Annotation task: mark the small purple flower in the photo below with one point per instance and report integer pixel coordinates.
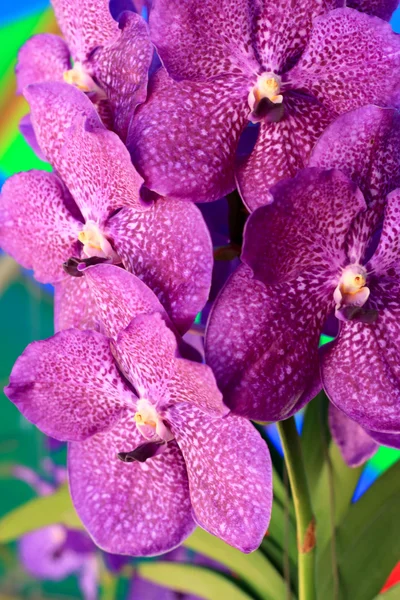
(110, 60)
(306, 255)
(152, 450)
(95, 212)
(287, 69)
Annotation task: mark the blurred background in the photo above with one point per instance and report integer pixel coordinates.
(27, 314)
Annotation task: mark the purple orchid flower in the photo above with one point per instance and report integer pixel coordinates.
(354, 443)
(152, 449)
(96, 213)
(110, 60)
(282, 66)
(311, 248)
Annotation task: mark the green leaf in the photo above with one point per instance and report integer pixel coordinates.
(40, 512)
(315, 438)
(258, 573)
(392, 594)
(190, 579)
(367, 542)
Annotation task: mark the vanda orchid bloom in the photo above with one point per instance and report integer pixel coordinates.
(95, 213)
(153, 451)
(278, 64)
(109, 61)
(312, 259)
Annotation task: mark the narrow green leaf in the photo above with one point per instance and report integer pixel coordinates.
(190, 579)
(392, 594)
(40, 512)
(370, 525)
(254, 569)
(315, 438)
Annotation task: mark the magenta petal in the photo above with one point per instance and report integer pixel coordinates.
(380, 8)
(184, 138)
(97, 169)
(35, 226)
(140, 509)
(365, 145)
(85, 25)
(281, 148)
(26, 128)
(122, 68)
(44, 57)
(330, 67)
(54, 108)
(361, 369)
(387, 255)
(385, 439)
(194, 44)
(230, 479)
(354, 443)
(304, 228)
(169, 248)
(262, 343)
(69, 385)
(147, 354)
(73, 305)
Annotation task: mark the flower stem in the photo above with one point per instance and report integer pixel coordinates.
(305, 521)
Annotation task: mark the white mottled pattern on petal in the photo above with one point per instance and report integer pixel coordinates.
(229, 470)
(73, 305)
(97, 169)
(387, 255)
(354, 443)
(85, 25)
(281, 148)
(148, 356)
(169, 248)
(69, 385)
(36, 227)
(139, 509)
(330, 67)
(183, 140)
(44, 57)
(262, 342)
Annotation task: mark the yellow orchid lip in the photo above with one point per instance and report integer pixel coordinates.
(268, 86)
(95, 243)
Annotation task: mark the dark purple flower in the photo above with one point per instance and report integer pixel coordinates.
(354, 443)
(275, 65)
(110, 60)
(305, 256)
(164, 242)
(152, 451)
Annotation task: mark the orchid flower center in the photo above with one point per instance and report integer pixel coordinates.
(95, 243)
(351, 290)
(150, 423)
(268, 86)
(78, 77)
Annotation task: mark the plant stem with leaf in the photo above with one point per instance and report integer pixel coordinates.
(305, 521)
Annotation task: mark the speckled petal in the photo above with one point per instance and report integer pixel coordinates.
(35, 226)
(386, 439)
(193, 44)
(331, 68)
(42, 554)
(26, 129)
(184, 138)
(73, 305)
(281, 148)
(387, 256)
(148, 356)
(85, 25)
(140, 509)
(380, 8)
(54, 108)
(361, 369)
(262, 343)
(304, 228)
(354, 443)
(229, 470)
(98, 171)
(365, 145)
(122, 69)
(69, 385)
(169, 248)
(44, 57)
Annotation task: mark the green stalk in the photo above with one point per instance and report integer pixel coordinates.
(305, 521)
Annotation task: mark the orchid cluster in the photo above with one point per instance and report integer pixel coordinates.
(288, 109)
